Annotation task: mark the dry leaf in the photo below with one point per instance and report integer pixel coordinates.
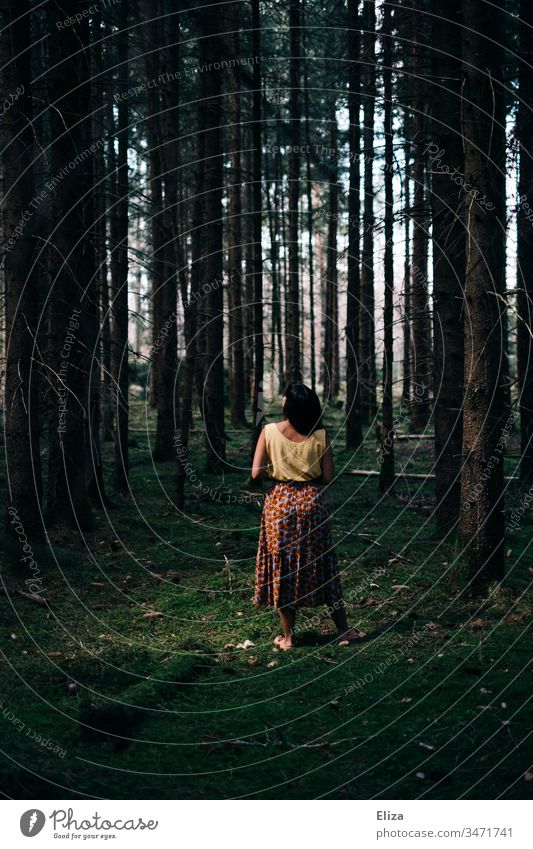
(247, 644)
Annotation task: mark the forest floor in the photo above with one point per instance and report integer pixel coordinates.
(130, 683)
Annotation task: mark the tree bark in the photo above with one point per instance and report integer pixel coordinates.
(258, 402)
(331, 335)
(213, 49)
(449, 244)
(236, 325)
(524, 325)
(419, 312)
(71, 244)
(119, 270)
(292, 320)
(354, 435)
(483, 127)
(386, 477)
(21, 405)
(367, 331)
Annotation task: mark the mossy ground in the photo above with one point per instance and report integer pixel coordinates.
(164, 707)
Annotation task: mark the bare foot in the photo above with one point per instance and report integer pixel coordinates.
(352, 635)
(284, 643)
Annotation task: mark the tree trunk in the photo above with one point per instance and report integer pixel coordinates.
(71, 243)
(331, 334)
(258, 403)
(367, 338)
(406, 322)
(21, 404)
(386, 477)
(483, 129)
(119, 270)
(354, 435)
(419, 313)
(213, 50)
(292, 320)
(310, 227)
(449, 243)
(167, 394)
(236, 325)
(524, 326)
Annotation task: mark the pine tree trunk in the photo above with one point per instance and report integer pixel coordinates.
(213, 50)
(21, 403)
(354, 435)
(310, 223)
(97, 377)
(236, 325)
(406, 322)
(119, 271)
(367, 337)
(483, 129)
(258, 402)
(386, 477)
(167, 394)
(331, 336)
(524, 325)
(71, 244)
(449, 243)
(292, 321)
(419, 312)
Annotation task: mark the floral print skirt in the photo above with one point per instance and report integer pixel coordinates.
(296, 565)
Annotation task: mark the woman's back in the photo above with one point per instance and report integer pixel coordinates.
(291, 459)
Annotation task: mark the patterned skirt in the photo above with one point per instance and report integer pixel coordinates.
(296, 565)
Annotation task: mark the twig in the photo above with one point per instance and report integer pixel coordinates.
(375, 542)
(230, 574)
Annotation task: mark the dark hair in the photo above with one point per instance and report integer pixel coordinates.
(302, 408)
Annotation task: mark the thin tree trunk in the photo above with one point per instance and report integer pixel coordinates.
(524, 326)
(119, 269)
(331, 335)
(419, 313)
(367, 338)
(167, 394)
(354, 435)
(97, 375)
(292, 320)
(406, 323)
(386, 477)
(213, 50)
(236, 326)
(310, 225)
(258, 403)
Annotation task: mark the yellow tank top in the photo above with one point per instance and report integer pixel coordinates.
(294, 461)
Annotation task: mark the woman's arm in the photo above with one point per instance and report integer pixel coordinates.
(327, 464)
(260, 461)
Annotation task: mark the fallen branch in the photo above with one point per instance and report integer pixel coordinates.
(38, 599)
(380, 545)
(323, 745)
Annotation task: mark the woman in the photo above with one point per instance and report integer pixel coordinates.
(296, 565)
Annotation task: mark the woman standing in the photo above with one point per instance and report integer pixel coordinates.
(296, 565)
